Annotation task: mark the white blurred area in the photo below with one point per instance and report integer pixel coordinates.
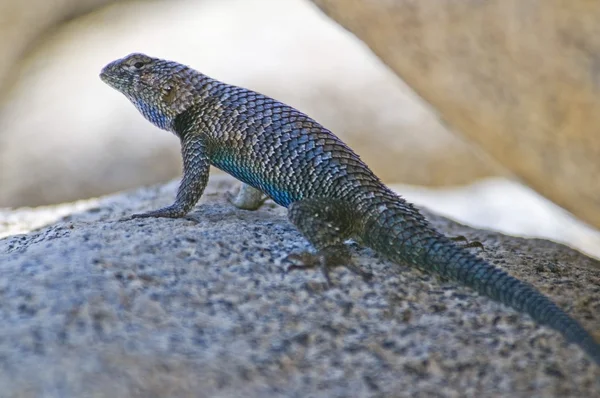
(65, 135)
(506, 206)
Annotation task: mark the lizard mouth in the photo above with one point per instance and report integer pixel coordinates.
(105, 78)
(107, 74)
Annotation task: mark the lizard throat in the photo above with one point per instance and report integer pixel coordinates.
(153, 114)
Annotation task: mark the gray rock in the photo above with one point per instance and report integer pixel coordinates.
(204, 307)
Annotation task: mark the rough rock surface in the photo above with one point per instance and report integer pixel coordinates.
(91, 306)
(519, 78)
(63, 133)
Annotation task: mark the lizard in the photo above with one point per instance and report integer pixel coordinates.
(330, 194)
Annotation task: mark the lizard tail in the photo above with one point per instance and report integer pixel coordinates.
(403, 239)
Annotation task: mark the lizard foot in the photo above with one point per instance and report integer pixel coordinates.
(326, 259)
(464, 242)
(165, 212)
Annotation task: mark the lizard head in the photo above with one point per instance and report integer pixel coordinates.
(159, 89)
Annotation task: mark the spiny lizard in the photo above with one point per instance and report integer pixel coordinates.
(331, 195)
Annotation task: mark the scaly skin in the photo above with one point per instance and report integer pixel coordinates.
(331, 195)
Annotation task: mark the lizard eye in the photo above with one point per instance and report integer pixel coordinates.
(138, 65)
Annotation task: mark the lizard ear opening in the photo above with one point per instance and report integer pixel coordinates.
(169, 94)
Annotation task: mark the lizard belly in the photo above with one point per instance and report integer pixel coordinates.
(280, 195)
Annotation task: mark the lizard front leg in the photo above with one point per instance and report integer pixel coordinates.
(195, 176)
(326, 223)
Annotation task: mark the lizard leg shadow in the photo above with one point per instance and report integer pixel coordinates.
(326, 223)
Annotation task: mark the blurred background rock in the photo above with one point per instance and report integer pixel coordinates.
(520, 78)
(64, 135)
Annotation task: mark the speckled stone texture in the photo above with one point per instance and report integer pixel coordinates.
(91, 306)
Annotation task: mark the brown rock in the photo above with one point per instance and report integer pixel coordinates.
(518, 77)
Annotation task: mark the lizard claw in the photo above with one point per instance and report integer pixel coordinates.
(166, 212)
(325, 260)
(134, 216)
(137, 215)
(306, 260)
(463, 242)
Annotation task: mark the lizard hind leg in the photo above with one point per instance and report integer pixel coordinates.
(326, 223)
(247, 198)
